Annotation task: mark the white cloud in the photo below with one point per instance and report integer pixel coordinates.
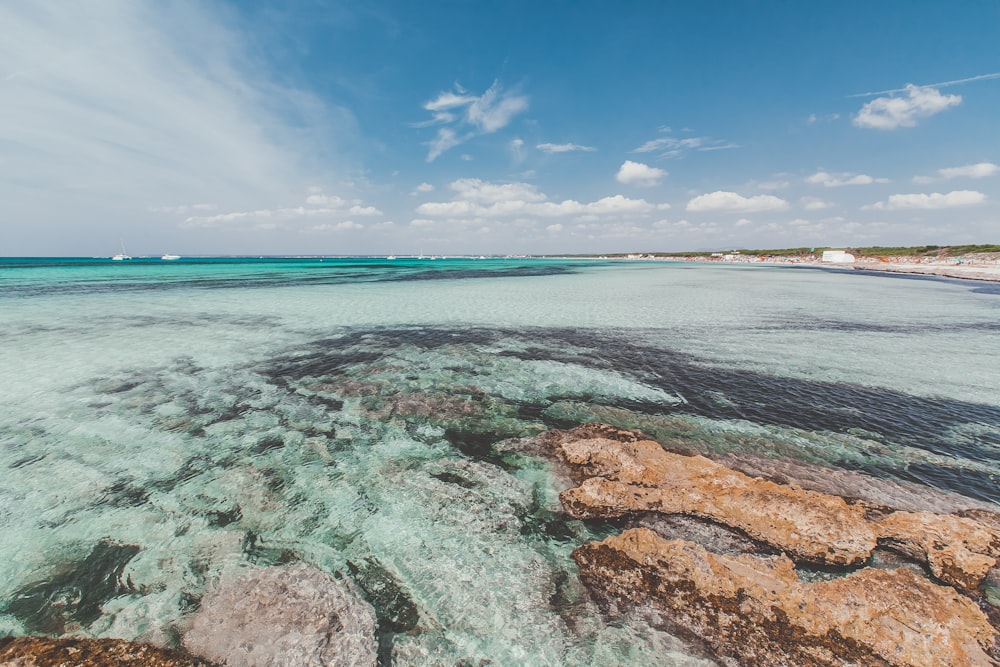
(423, 188)
(449, 100)
(637, 173)
(773, 185)
(554, 228)
(564, 148)
(839, 180)
(743, 222)
(478, 200)
(364, 210)
(482, 114)
(318, 205)
(814, 204)
(319, 199)
(113, 107)
(889, 113)
(978, 170)
(474, 189)
(730, 201)
(813, 118)
(934, 200)
(674, 147)
(346, 225)
(495, 109)
(445, 140)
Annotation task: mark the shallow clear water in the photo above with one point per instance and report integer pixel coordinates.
(166, 421)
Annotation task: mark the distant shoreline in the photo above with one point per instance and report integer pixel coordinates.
(975, 268)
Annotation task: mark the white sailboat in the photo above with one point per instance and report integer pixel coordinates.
(118, 257)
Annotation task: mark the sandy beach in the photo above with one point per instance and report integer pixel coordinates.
(987, 272)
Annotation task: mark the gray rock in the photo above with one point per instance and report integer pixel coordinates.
(288, 615)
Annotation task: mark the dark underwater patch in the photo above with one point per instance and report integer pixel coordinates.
(706, 390)
(76, 593)
(394, 608)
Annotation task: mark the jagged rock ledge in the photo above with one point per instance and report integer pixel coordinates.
(752, 607)
(65, 651)
(753, 610)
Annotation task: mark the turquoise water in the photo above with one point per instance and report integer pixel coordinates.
(165, 422)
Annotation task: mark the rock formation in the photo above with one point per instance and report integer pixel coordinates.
(755, 611)
(63, 652)
(621, 472)
(752, 609)
(290, 615)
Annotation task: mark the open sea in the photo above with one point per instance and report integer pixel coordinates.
(162, 422)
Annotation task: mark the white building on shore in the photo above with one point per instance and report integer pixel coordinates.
(837, 257)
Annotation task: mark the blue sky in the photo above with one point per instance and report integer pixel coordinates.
(446, 127)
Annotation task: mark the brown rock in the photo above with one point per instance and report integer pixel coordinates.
(960, 551)
(631, 475)
(621, 472)
(754, 611)
(67, 652)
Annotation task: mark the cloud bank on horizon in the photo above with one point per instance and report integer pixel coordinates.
(393, 128)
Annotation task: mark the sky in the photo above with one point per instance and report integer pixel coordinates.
(502, 127)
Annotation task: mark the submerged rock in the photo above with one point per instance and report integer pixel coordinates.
(289, 615)
(63, 652)
(629, 474)
(960, 551)
(749, 605)
(622, 472)
(752, 610)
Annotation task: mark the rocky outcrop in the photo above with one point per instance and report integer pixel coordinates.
(63, 652)
(960, 551)
(754, 611)
(641, 476)
(290, 615)
(748, 600)
(622, 472)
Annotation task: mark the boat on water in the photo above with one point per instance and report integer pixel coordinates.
(118, 257)
(168, 257)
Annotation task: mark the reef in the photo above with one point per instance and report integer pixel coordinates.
(805, 577)
(65, 651)
(755, 611)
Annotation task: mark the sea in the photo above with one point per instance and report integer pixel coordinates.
(166, 422)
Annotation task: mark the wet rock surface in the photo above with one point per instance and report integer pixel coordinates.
(289, 615)
(755, 599)
(633, 474)
(755, 611)
(64, 652)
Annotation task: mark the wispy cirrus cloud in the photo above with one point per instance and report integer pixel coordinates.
(464, 116)
(564, 148)
(942, 84)
(890, 113)
(125, 113)
(673, 147)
